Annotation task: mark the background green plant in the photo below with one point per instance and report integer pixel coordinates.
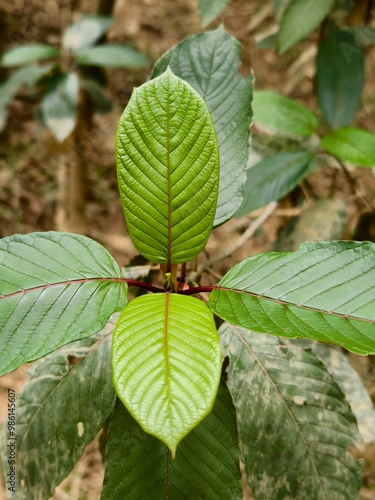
(290, 400)
(64, 74)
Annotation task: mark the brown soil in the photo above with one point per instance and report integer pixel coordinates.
(29, 160)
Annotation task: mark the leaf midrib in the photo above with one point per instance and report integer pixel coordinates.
(300, 306)
(61, 283)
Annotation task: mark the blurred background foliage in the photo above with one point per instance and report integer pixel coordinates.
(67, 71)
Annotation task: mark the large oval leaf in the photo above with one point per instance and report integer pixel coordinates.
(168, 170)
(166, 363)
(25, 54)
(209, 62)
(299, 19)
(278, 113)
(274, 177)
(76, 381)
(339, 77)
(85, 32)
(54, 288)
(112, 56)
(324, 291)
(295, 426)
(354, 145)
(206, 465)
(59, 106)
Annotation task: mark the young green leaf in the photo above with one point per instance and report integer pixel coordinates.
(209, 62)
(339, 77)
(166, 363)
(281, 114)
(54, 288)
(324, 292)
(168, 170)
(354, 145)
(85, 32)
(59, 107)
(295, 426)
(206, 465)
(209, 10)
(299, 19)
(25, 54)
(62, 407)
(273, 178)
(112, 56)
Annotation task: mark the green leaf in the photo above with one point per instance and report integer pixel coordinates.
(324, 292)
(354, 145)
(209, 62)
(59, 107)
(281, 114)
(352, 386)
(166, 363)
(112, 56)
(206, 465)
(85, 32)
(295, 426)
(299, 19)
(28, 75)
(46, 283)
(209, 10)
(61, 408)
(273, 178)
(25, 54)
(168, 169)
(339, 78)
(97, 94)
(323, 220)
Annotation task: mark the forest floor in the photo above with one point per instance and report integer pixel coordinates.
(29, 158)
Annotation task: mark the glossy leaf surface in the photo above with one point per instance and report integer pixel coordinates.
(54, 288)
(209, 62)
(112, 56)
(208, 10)
(25, 54)
(85, 32)
(280, 114)
(273, 178)
(62, 407)
(295, 426)
(206, 464)
(168, 170)
(324, 291)
(339, 77)
(59, 107)
(354, 145)
(299, 19)
(166, 363)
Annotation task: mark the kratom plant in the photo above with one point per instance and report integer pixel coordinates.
(179, 422)
(328, 135)
(64, 74)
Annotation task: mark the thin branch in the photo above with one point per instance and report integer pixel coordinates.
(354, 185)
